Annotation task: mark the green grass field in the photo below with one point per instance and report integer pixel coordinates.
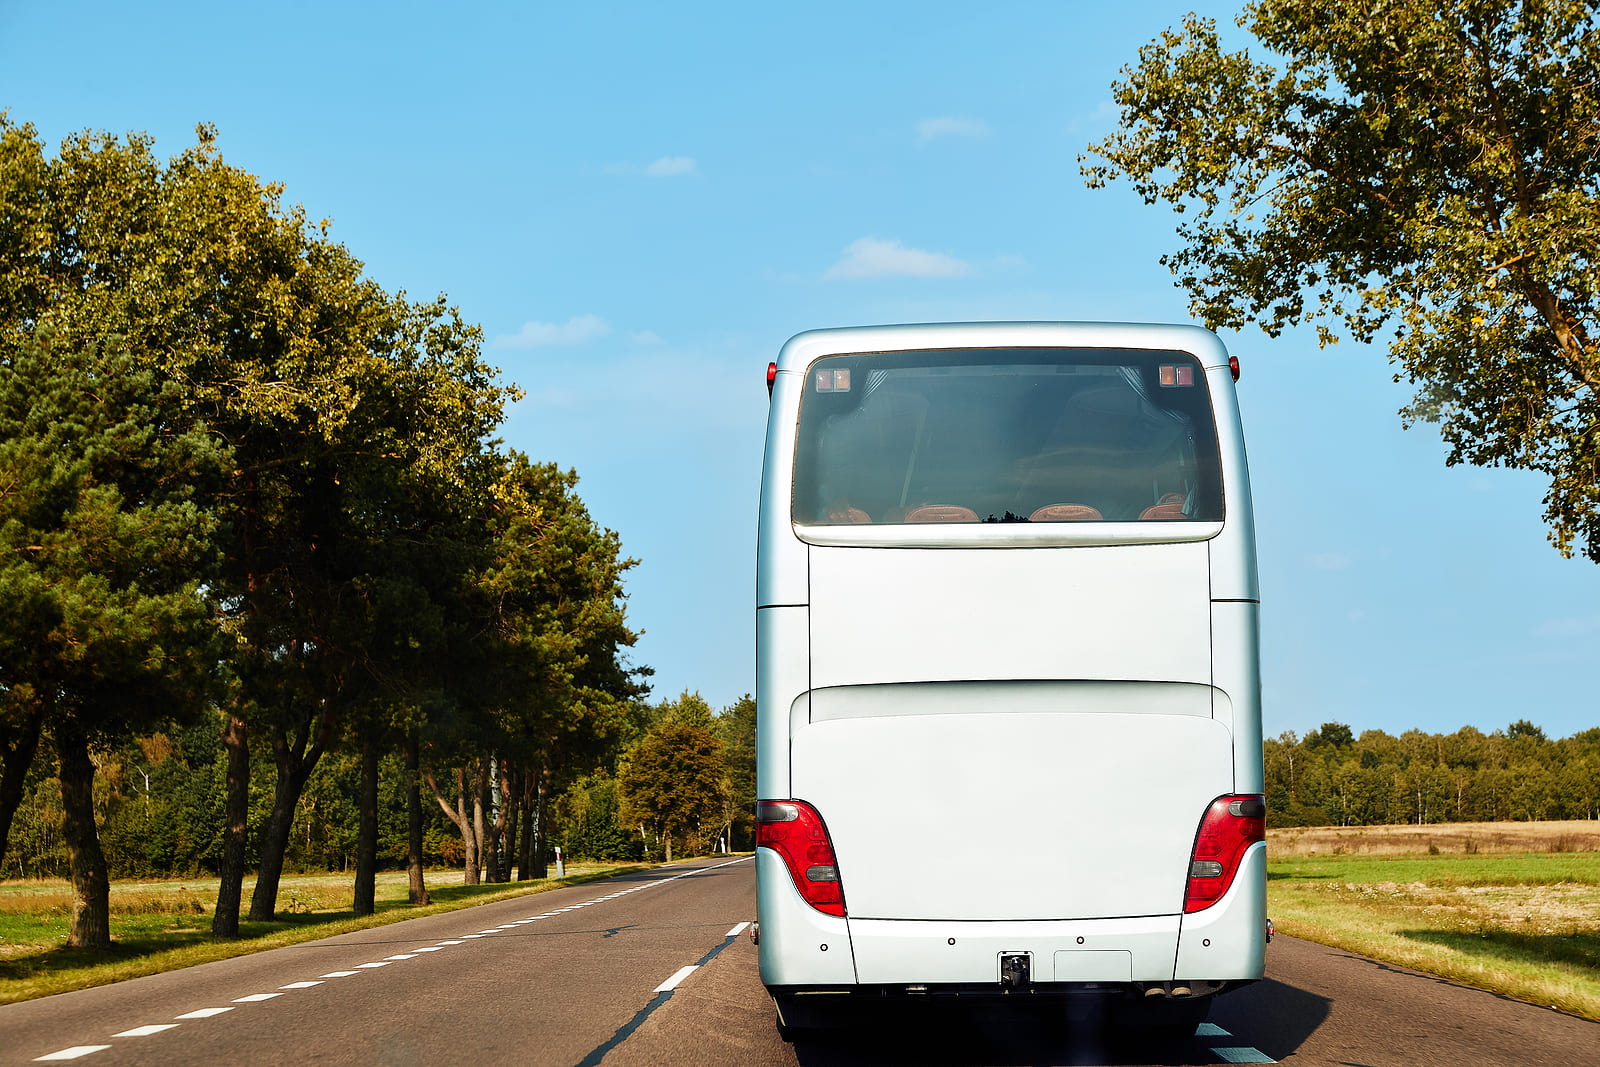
(1526, 924)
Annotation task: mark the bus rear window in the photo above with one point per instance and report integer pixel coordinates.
(1034, 435)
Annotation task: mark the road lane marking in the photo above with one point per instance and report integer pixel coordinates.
(299, 985)
(255, 998)
(428, 948)
(672, 983)
(370, 966)
(1232, 1053)
(663, 994)
(203, 1013)
(402, 956)
(146, 1031)
(737, 930)
(452, 942)
(71, 1053)
(339, 974)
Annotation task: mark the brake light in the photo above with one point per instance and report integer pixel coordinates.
(1230, 826)
(1233, 367)
(794, 830)
(772, 376)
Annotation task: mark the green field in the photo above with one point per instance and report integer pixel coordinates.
(1526, 924)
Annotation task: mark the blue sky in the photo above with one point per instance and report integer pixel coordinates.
(641, 203)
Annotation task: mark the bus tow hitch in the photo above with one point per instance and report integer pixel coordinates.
(1015, 968)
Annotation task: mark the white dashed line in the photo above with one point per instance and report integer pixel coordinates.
(672, 983)
(1232, 1054)
(77, 1051)
(146, 1031)
(71, 1053)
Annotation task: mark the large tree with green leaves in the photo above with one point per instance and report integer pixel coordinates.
(673, 780)
(106, 629)
(1424, 172)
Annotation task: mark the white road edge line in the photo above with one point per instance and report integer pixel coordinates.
(672, 983)
(736, 931)
(299, 985)
(255, 998)
(203, 1013)
(1242, 1055)
(146, 1031)
(71, 1053)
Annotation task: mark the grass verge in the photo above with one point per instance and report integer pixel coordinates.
(162, 926)
(1526, 925)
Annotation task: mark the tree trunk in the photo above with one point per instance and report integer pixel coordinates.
(418, 893)
(459, 816)
(295, 763)
(541, 852)
(18, 749)
(530, 783)
(498, 863)
(366, 888)
(236, 740)
(479, 829)
(91, 887)
(513, 800)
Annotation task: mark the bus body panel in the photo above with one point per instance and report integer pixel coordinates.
(1228, 940)
(799, 945)
(896, 615)
(781, 577)
(1080, 950)
(1236, 674)
(995, 814)
(782, 644)
(1233, 550)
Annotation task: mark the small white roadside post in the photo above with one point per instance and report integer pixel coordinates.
(561, 868)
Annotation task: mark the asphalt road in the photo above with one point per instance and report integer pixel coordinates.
(655, 968)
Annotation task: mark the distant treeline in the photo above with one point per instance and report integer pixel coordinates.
(1329, 777)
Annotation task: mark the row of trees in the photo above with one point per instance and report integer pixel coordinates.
(1331, 778)
(240, 481)
(158, 802)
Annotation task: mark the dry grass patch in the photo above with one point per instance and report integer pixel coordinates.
(1467, 838)
(1525, 924)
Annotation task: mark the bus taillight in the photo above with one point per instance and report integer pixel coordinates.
(794, 830)
(1230, 826)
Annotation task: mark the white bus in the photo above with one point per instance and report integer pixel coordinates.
(1007, 671)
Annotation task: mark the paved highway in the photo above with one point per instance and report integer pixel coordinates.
(655, 968)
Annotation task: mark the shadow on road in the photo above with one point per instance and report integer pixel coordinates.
(953, 1032)
(1273, 1016)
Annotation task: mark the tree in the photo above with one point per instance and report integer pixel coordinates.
(674, 778)
(1422, 170)
(736, 729)
(105, 545)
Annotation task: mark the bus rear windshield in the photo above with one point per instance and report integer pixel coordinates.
(1035, 435)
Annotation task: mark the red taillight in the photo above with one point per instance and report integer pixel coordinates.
(1231, 825)
(1233, 367)
(794, 830)
(772, 376)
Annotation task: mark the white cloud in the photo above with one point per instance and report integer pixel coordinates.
(1328, 561)
(950, 126)
(1567, 629)
(575, 331)
(872, 257)
(647, 337)
(671, 167)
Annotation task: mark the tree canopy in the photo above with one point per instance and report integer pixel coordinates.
(1425, 172)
